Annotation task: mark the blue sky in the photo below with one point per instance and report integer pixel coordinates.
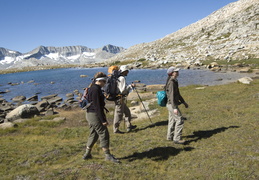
(27, 24)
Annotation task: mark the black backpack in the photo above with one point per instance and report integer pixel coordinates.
(111, 90)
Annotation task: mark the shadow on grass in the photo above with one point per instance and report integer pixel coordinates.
(157, 154)
(198, 135)
(160, 123)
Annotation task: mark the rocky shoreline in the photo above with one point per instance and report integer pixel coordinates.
(22, 108)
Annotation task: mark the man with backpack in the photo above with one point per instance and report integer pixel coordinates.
(121, 107)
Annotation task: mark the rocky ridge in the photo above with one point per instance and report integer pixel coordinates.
(56, 55)
(231, 33)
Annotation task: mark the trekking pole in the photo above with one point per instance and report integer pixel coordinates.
(143, 104)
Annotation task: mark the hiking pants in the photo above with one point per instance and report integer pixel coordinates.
(175, 124)
(120, 109)
(97, 130)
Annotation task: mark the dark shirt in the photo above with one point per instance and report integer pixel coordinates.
(173, 93)
(96, 96)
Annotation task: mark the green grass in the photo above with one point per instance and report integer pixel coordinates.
(221, 132)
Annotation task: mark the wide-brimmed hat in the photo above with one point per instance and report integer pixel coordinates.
(124, 68)
(172, 69)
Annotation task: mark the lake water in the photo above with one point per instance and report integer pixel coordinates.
(67, 80)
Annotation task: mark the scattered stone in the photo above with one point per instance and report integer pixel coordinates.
(200, 88)
(134, 103)
(49, 112)
(33, 98)
(245, 70)
(49, 96)
(21, 120)
(69, 95)
(42, 105)
(55, 100)
(256, 96)
(83, 76)
(23, 111)
(6, 125)
(19, 98)
(57, 119)
(31, 81)
(245, 80)
(14, 84)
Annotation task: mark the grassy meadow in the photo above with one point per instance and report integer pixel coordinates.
(221, 132)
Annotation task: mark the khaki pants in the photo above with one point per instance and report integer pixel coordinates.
(97, 130)
(121, 109)
(175, 124)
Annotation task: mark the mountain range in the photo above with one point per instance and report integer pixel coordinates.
(230, 33)
(56, 55)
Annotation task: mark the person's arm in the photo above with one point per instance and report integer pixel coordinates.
(183, 101)
(122, 86)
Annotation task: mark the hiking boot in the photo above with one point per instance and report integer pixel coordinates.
(180, 141)
(131, 127)
(118, 132)
(109, 157)
(87, 154)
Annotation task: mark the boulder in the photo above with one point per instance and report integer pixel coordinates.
(245, 80)
(23, 111)
(19, 98)
(42, 105)
(69, 95)
(49, 112)
(245, 70)
(49, 96)
(55, 100)
(33, 98)
(7, 125)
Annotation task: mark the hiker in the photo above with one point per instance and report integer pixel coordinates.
(175, 119)
(121, 107)
(97, 120)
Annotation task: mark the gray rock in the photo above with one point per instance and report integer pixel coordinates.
(245, 80)
(42, 105)
(49, 96)
(33, 98)
(55, 100)
(49, 112)
(19, 98)
(70, 95)
(7, 125)
(23, 111)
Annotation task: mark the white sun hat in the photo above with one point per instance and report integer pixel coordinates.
(124, 68)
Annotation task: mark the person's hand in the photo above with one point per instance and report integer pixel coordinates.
(186, 105)
(105, 123)
(176, 111)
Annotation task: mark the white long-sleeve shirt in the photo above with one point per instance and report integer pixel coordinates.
(123, 87)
